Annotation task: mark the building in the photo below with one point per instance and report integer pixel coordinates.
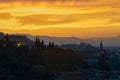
(1, 35)
(21, 39)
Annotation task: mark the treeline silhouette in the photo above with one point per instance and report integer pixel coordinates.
(40, 62)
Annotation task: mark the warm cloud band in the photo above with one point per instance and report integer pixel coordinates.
(81, 18)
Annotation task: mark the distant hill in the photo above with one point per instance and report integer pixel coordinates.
(108, 42)
(111, 42)
(57, 40)
(80, 47)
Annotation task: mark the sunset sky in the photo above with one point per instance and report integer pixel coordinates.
(61, 18)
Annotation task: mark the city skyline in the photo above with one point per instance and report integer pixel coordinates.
(61, 18)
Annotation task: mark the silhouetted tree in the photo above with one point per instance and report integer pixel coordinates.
(21, 63)
(102, 63)
(6, 38)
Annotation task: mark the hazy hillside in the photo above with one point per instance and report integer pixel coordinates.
(113, 41)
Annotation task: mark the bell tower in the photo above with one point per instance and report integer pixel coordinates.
(101, 46)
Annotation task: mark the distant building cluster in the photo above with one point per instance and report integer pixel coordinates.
(101, 63)
(17, 38)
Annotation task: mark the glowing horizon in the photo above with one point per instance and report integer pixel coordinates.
(61, 18)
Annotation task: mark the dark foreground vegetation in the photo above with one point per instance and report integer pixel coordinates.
(40, 62)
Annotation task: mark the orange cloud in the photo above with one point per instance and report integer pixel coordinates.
(61, 3)
(45, 19)
(5, 16)
(101, 32)
(80, 18)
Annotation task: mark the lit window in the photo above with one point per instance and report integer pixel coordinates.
(19, 44)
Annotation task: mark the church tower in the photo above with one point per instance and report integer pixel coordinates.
(101, 46)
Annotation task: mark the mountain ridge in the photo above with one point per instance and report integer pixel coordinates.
(111, 41)
(107, 42)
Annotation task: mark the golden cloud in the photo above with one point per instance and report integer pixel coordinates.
(5, 16)
(91, 18)
(45, 19)
(61, 3)
(53, 19)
